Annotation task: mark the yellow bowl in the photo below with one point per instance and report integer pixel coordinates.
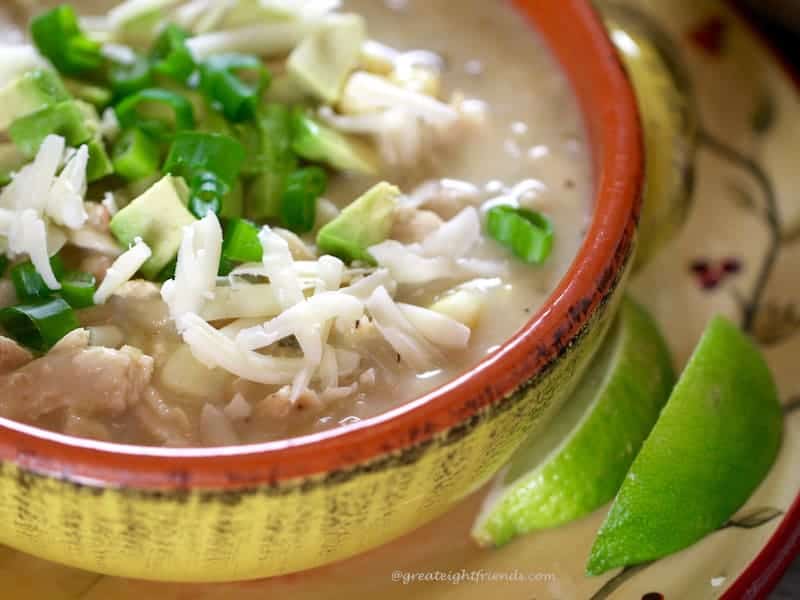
(262, 510)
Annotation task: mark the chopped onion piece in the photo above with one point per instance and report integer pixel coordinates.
(123, 270)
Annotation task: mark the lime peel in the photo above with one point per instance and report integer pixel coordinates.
(579, 462)
(715, 441)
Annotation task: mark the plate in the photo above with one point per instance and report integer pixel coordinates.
(739, 255)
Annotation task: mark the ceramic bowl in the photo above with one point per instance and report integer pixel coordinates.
(262, 510)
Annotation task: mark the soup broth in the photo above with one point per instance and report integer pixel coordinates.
(129, 375)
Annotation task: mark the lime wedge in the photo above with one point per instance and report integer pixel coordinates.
(716, 439)
(579, 462)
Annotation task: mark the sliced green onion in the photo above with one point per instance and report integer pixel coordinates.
(65, 119)
(158, 112)
(241, 243)
(528, 234)
(225, 266)
(58, 36)
(39, 325)
(168, 272)
(78, 289)
(199, 152)
(207, 192)
(299, 202)
(96, 95)
(29, 285)
(222, 81)
(270, 159)
(171, 56)
(136, 155)
(127, 79)
(99, 161)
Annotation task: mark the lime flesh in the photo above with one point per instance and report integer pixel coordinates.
(579, 462)
(715, 441)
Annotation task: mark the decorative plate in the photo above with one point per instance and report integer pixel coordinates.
(739, 255)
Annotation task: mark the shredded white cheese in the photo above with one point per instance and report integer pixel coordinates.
(110, 203)
(130, 10)
(196, 270)
(269, 39)
(122, 270)
(437, 328)
(278, 266)
(441, 256)
(304, 320)
(28, 235)
(65, 199)
(216, 350)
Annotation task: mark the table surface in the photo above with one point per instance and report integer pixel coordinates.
(787, 42)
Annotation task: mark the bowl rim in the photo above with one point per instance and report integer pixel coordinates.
(576, 36)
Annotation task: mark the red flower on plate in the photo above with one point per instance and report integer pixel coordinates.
(710, 35)
(711, 274)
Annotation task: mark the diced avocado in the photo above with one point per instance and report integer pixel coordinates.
(158, 217)
(319, 143)
(99, 161)
(364, 223)
(324, 60)
(99, 97)
(65, 119)
(30, 92)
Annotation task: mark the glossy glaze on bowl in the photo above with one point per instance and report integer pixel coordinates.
(255, 511)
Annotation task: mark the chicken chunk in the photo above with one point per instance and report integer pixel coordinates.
(164, 424)
(91, 381)
(12, 355)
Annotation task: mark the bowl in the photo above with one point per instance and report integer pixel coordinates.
(262, 510)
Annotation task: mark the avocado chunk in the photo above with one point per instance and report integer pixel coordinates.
(28, 93)
(65, 119)
(158, 217)
(364, 223)
(319, 143)
(324, 60)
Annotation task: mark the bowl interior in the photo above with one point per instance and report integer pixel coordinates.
(578, 39)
